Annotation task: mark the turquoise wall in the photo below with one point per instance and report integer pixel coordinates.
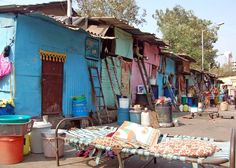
(124, 43)
(124, 48)
(39, 32)
(7, 33)
(108, 93)
(170, 68)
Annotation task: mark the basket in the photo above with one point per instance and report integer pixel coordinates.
(14, 129)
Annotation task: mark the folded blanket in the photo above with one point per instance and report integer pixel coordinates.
(137, 134)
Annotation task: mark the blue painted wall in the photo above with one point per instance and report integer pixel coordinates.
(7, 33)
(33, 34)
(170, 68)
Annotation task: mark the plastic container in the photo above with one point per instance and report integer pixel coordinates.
(49, 143)
(153, 81)
(124, 103)
(122, 115)
(15, 129)
(26, 149)
(135, 116)
(185, 108)
(14, 119)
(164, 113)
(184, 100)
(79, 107)
(181, 108)
(8, 110)
(145, 118)
(141, 99)
(11, 149)
(195, 101)
(200, 107)
(190, 101)
(36, 139)
(224, 106)
(193, 109)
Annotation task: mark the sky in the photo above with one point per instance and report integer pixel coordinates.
(217, 11)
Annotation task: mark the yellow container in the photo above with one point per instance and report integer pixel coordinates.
(185, 108)
(26, 144)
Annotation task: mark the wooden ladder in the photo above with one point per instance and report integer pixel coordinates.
(99, 94)
(146, 82)
(110, 78)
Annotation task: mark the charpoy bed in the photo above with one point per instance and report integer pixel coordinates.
(82, 138)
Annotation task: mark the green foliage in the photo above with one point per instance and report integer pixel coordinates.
(183, 30)
(121, 9)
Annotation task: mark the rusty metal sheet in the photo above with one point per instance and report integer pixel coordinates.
(189, 58)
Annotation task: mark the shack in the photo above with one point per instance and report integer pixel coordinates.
(49, 63)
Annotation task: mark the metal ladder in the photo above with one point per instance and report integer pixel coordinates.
(110, 78)
(97, 88)
(146, 82)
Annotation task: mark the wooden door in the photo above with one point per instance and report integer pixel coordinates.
(52, 83)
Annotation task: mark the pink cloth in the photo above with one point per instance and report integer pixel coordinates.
(5, 66)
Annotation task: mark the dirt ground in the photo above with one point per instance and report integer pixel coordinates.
(203, 126)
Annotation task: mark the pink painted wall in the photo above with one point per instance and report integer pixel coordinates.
(152, 52)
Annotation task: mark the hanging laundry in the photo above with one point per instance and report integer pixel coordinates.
(5, 66)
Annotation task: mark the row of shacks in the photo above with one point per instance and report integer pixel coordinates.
(101, 58)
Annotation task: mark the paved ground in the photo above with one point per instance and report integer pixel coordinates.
(198, 126)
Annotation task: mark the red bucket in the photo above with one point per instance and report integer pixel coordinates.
(11, 149)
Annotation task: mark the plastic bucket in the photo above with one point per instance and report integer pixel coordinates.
(141, 99)
(26, 149)
(14, 118)
(11, 149)
(79, 108)
(122, 115)
(36, 139)
(124, 102)
(49, 143)
(135, 116)
(184, 100)
(190, 101)
(195, 101)
(164, 113)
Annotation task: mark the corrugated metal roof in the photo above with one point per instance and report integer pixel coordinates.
(81, 22)
(47, 18)
(112, 21)
(187, 57)
(97, 28)
(173, 56)
(195, 70)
